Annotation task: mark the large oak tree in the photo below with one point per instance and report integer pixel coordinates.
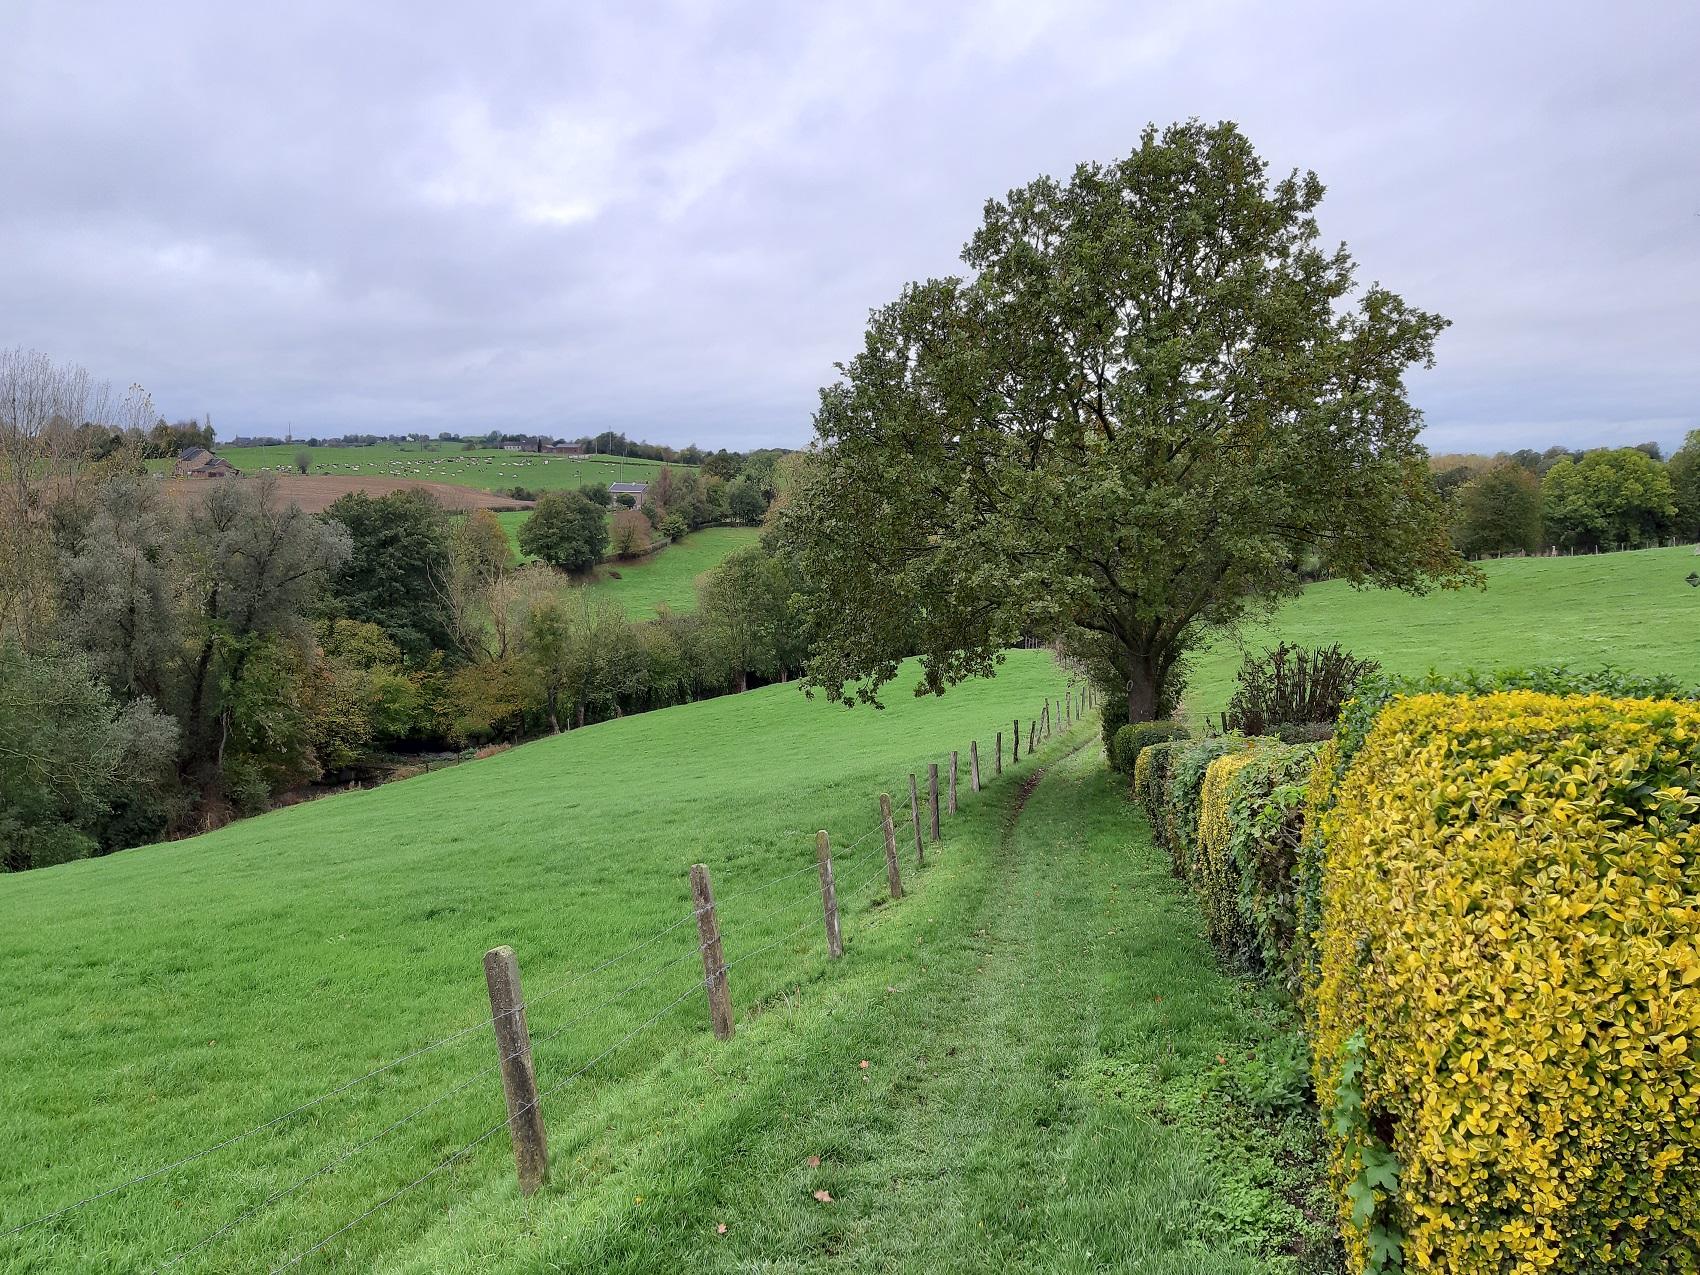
(1152, 400)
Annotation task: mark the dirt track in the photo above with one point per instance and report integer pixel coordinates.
(315, 492)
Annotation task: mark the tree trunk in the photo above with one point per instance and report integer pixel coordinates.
(581, 716)
(743, 681)
(1141, 695)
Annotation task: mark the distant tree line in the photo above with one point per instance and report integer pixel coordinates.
(165, 666)
(1600, 499)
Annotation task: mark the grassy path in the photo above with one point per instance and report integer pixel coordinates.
(1054, 1068)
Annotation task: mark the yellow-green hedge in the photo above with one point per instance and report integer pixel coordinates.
(1509, 979)
(1215, 870)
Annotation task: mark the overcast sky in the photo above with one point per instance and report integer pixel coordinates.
(673, 219)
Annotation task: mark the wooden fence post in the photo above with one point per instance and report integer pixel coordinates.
(894, 882)
(519, 1078)
(997, 764)
(828, 896)
(953, 781)
(974, 765)
(713, 960)
(1015, 743)
(915, 815)
(933, 795)
(1032, 735)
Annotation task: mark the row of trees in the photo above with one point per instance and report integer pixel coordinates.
(193, 664)
(165, 666)
(1609, 498)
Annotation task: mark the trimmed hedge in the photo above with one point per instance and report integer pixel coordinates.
(1215, 866)
(1129, 741)
(1183, 793)
(1151, 787)
(1506, 1022)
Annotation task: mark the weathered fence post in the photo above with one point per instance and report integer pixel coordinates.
(893, 881)
(713, 961)
(997, 764)
(1015, 743)
(953, 781)
(974, 765)
(933, 795)
(828, 895)
(1032, 735)
(915, 815)
(519, 1078)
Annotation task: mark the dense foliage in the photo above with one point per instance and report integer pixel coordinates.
(1525, 868)
(1156, 403)
(567, 530)
(1132, 739)
(1464, 844)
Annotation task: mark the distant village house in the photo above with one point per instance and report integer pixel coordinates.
(634, 490)
(198, 462)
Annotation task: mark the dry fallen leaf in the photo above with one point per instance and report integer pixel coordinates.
(825, 1197)
(1221, 1059)
(814, 1162)
(864, 1064)
(721, 1229)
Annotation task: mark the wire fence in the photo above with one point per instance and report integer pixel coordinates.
(746, 926)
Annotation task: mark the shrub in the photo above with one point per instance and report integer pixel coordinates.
(1183, 793)
(1215, 872)
(1248, 834)
(1507, 1019)
(516, 492)
(1290, 685)
(1151, 785)
(1129, 741)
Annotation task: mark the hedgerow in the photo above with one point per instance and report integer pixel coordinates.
(1215, 867)
(1506, 1020)
(1129, 741)
(1182, 793)
(1151, 786)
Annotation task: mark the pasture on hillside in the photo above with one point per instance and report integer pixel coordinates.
(669, 577)
(489, 469)
(190, 991)
(1634, 610)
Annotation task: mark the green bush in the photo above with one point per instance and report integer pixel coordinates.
(1151, 784)
(1129, 741)
(1182, 794)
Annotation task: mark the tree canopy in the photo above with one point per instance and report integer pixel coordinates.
(1152, 397)
(1608, 498)
(566, 530)
(1499, 511)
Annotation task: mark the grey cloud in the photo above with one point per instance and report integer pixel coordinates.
(672, 218)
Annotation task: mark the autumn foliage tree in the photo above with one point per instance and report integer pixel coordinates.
(1152, 398)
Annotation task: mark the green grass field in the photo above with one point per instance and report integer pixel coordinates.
(1633, 610)
(670, 576)
(162, 999)
(489, 470)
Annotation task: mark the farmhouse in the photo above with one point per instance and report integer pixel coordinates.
(565, 449)
(635, 490)
(198, 462)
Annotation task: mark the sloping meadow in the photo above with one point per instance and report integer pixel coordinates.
(1485, 894)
